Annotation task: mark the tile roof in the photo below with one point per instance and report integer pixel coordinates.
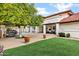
(72, 18)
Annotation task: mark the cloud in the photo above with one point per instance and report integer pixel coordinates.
(59, 6)
(76, 4)
(42, 11)
(63, 6)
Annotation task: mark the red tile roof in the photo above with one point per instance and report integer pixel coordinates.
(72, 18)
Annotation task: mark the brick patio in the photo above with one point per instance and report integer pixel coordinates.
(13, 42)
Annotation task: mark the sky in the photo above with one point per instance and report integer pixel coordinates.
(46, 9)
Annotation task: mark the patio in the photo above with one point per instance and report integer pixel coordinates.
(13, 42)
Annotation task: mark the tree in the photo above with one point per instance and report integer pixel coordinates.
(36, 20)
(19, 14)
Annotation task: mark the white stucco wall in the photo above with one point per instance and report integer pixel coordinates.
(72, 28)
(55, 19)
(36, 29)
(57, 28)
(26, 29)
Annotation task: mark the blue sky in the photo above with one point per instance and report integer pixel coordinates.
(50, 8)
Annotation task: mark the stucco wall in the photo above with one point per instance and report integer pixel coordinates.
(55, 18)
(72, 28)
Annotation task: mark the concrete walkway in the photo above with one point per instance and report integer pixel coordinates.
(13, 42)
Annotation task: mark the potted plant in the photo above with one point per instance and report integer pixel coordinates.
(68, 35)
(44, 36)
(61, 34)
(26, 38)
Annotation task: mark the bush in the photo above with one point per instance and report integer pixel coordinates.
(61, 34)
(68, 35)
(18, 37)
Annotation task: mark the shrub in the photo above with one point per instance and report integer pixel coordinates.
(61, 34)
(68, 35)
(18, 37)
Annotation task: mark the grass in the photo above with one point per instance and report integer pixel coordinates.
(50, 47)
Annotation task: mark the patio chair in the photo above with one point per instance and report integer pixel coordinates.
(1, 50)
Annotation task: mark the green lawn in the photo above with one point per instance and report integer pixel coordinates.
(51, 47)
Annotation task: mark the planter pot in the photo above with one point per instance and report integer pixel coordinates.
(26, 39)
(44, 36)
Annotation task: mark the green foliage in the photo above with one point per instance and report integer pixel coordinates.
(36, 20)
(50, 47)
(17, 13)
(68, 35)
(61, 34)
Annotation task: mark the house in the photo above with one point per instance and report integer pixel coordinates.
(70, 25)
(65, 21)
